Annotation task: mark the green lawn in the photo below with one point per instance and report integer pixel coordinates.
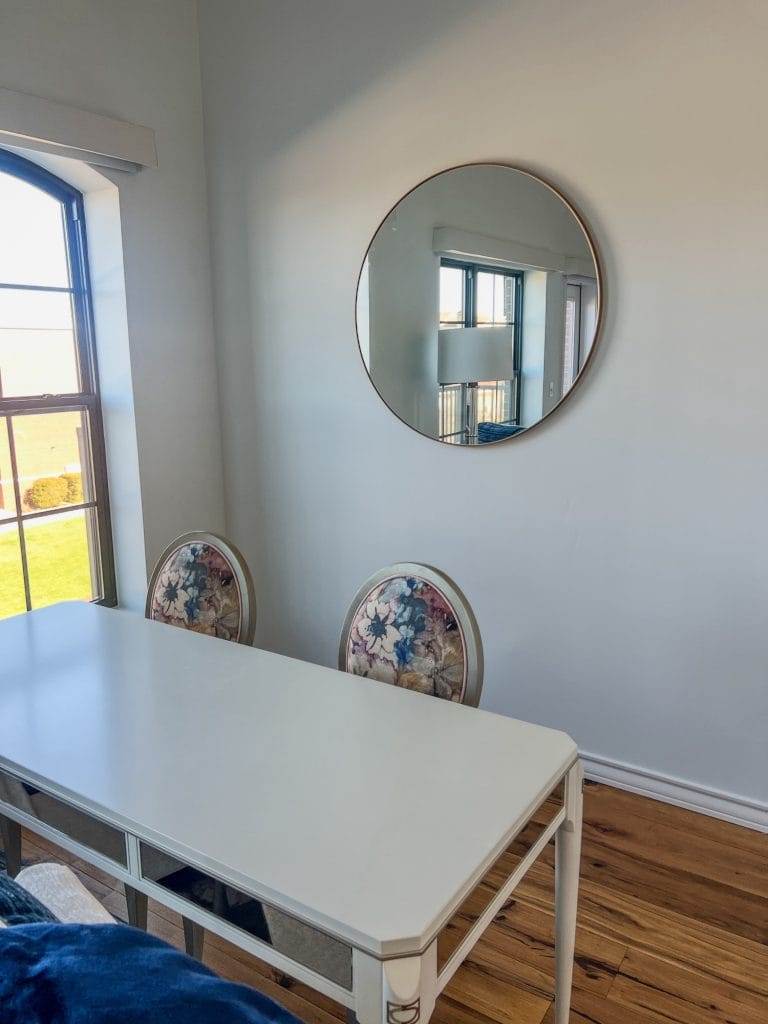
(59, 567)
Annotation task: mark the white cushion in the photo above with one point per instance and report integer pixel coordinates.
(61, 891)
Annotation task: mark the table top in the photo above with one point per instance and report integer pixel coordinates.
(362, 808)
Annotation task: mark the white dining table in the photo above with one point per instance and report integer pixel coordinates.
(350, 816)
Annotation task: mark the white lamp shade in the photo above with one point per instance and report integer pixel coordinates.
(469, 354)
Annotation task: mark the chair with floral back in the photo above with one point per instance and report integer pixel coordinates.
(411, 626)
(200, 582)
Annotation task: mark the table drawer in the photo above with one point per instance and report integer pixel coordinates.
(79, 826)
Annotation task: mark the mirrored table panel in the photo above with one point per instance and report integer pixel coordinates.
(306, 945)
(69, 821)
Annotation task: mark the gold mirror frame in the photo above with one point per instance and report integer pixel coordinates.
(599, 319)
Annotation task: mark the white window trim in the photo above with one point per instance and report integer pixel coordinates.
(40, 124)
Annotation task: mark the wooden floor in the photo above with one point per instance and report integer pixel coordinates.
(673, 927)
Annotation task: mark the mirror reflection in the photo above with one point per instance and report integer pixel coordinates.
(477, 304)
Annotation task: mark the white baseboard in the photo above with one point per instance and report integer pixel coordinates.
(739, 810)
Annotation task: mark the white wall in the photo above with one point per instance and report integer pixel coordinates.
(138, 62)
(616, 555)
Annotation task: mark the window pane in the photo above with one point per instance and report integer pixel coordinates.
(32, 247)
(7, 495)
(499, 314)
(450, 408)
(495, 298)
(11, 576)
(485, 298)
(451, 296)
(570, 345)
(37, 344)
(58, 557)
(493, 401)
(53, 460)
(506, 300)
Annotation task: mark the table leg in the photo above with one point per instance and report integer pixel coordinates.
(136, 905)
(567, 858)
(10, 831)
(194, 938)
(395, 991)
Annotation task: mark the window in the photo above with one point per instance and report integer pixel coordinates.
(572, 346)
(55, 539)
(475, 295)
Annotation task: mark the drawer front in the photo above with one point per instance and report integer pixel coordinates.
(77, 825)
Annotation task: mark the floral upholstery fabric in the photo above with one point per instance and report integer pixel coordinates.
(405, 632)
(197, 589)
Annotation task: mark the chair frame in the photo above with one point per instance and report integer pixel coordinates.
(470, 631)
(239, 568)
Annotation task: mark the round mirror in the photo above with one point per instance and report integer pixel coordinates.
(478, 304)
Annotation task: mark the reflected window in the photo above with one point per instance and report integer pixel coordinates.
(573, 331)
(55, 541)
(452, 296)
(475, 295)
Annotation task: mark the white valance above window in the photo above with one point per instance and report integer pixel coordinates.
(470, 245)
(36, 123)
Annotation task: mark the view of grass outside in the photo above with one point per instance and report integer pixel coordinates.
(49, 453)
(59, 566)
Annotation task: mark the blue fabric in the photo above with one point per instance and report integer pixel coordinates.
(17, 906)
(496, 431)
(104, 974)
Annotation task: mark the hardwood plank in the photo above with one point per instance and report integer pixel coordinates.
(693, 896)
(448, 1011)
(520, 946)
(717, 952)
(730, 909)
(618, 805)
(528, 976)
(671, 936)
(682, 994)
(479, 988)
(671, 847)
(587, 1008)
(724, 854)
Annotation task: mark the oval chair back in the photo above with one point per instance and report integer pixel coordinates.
(201, 582)
(411, 626)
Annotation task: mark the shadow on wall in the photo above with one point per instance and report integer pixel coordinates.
(281, 53)
(295, 193)
(286, 81)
